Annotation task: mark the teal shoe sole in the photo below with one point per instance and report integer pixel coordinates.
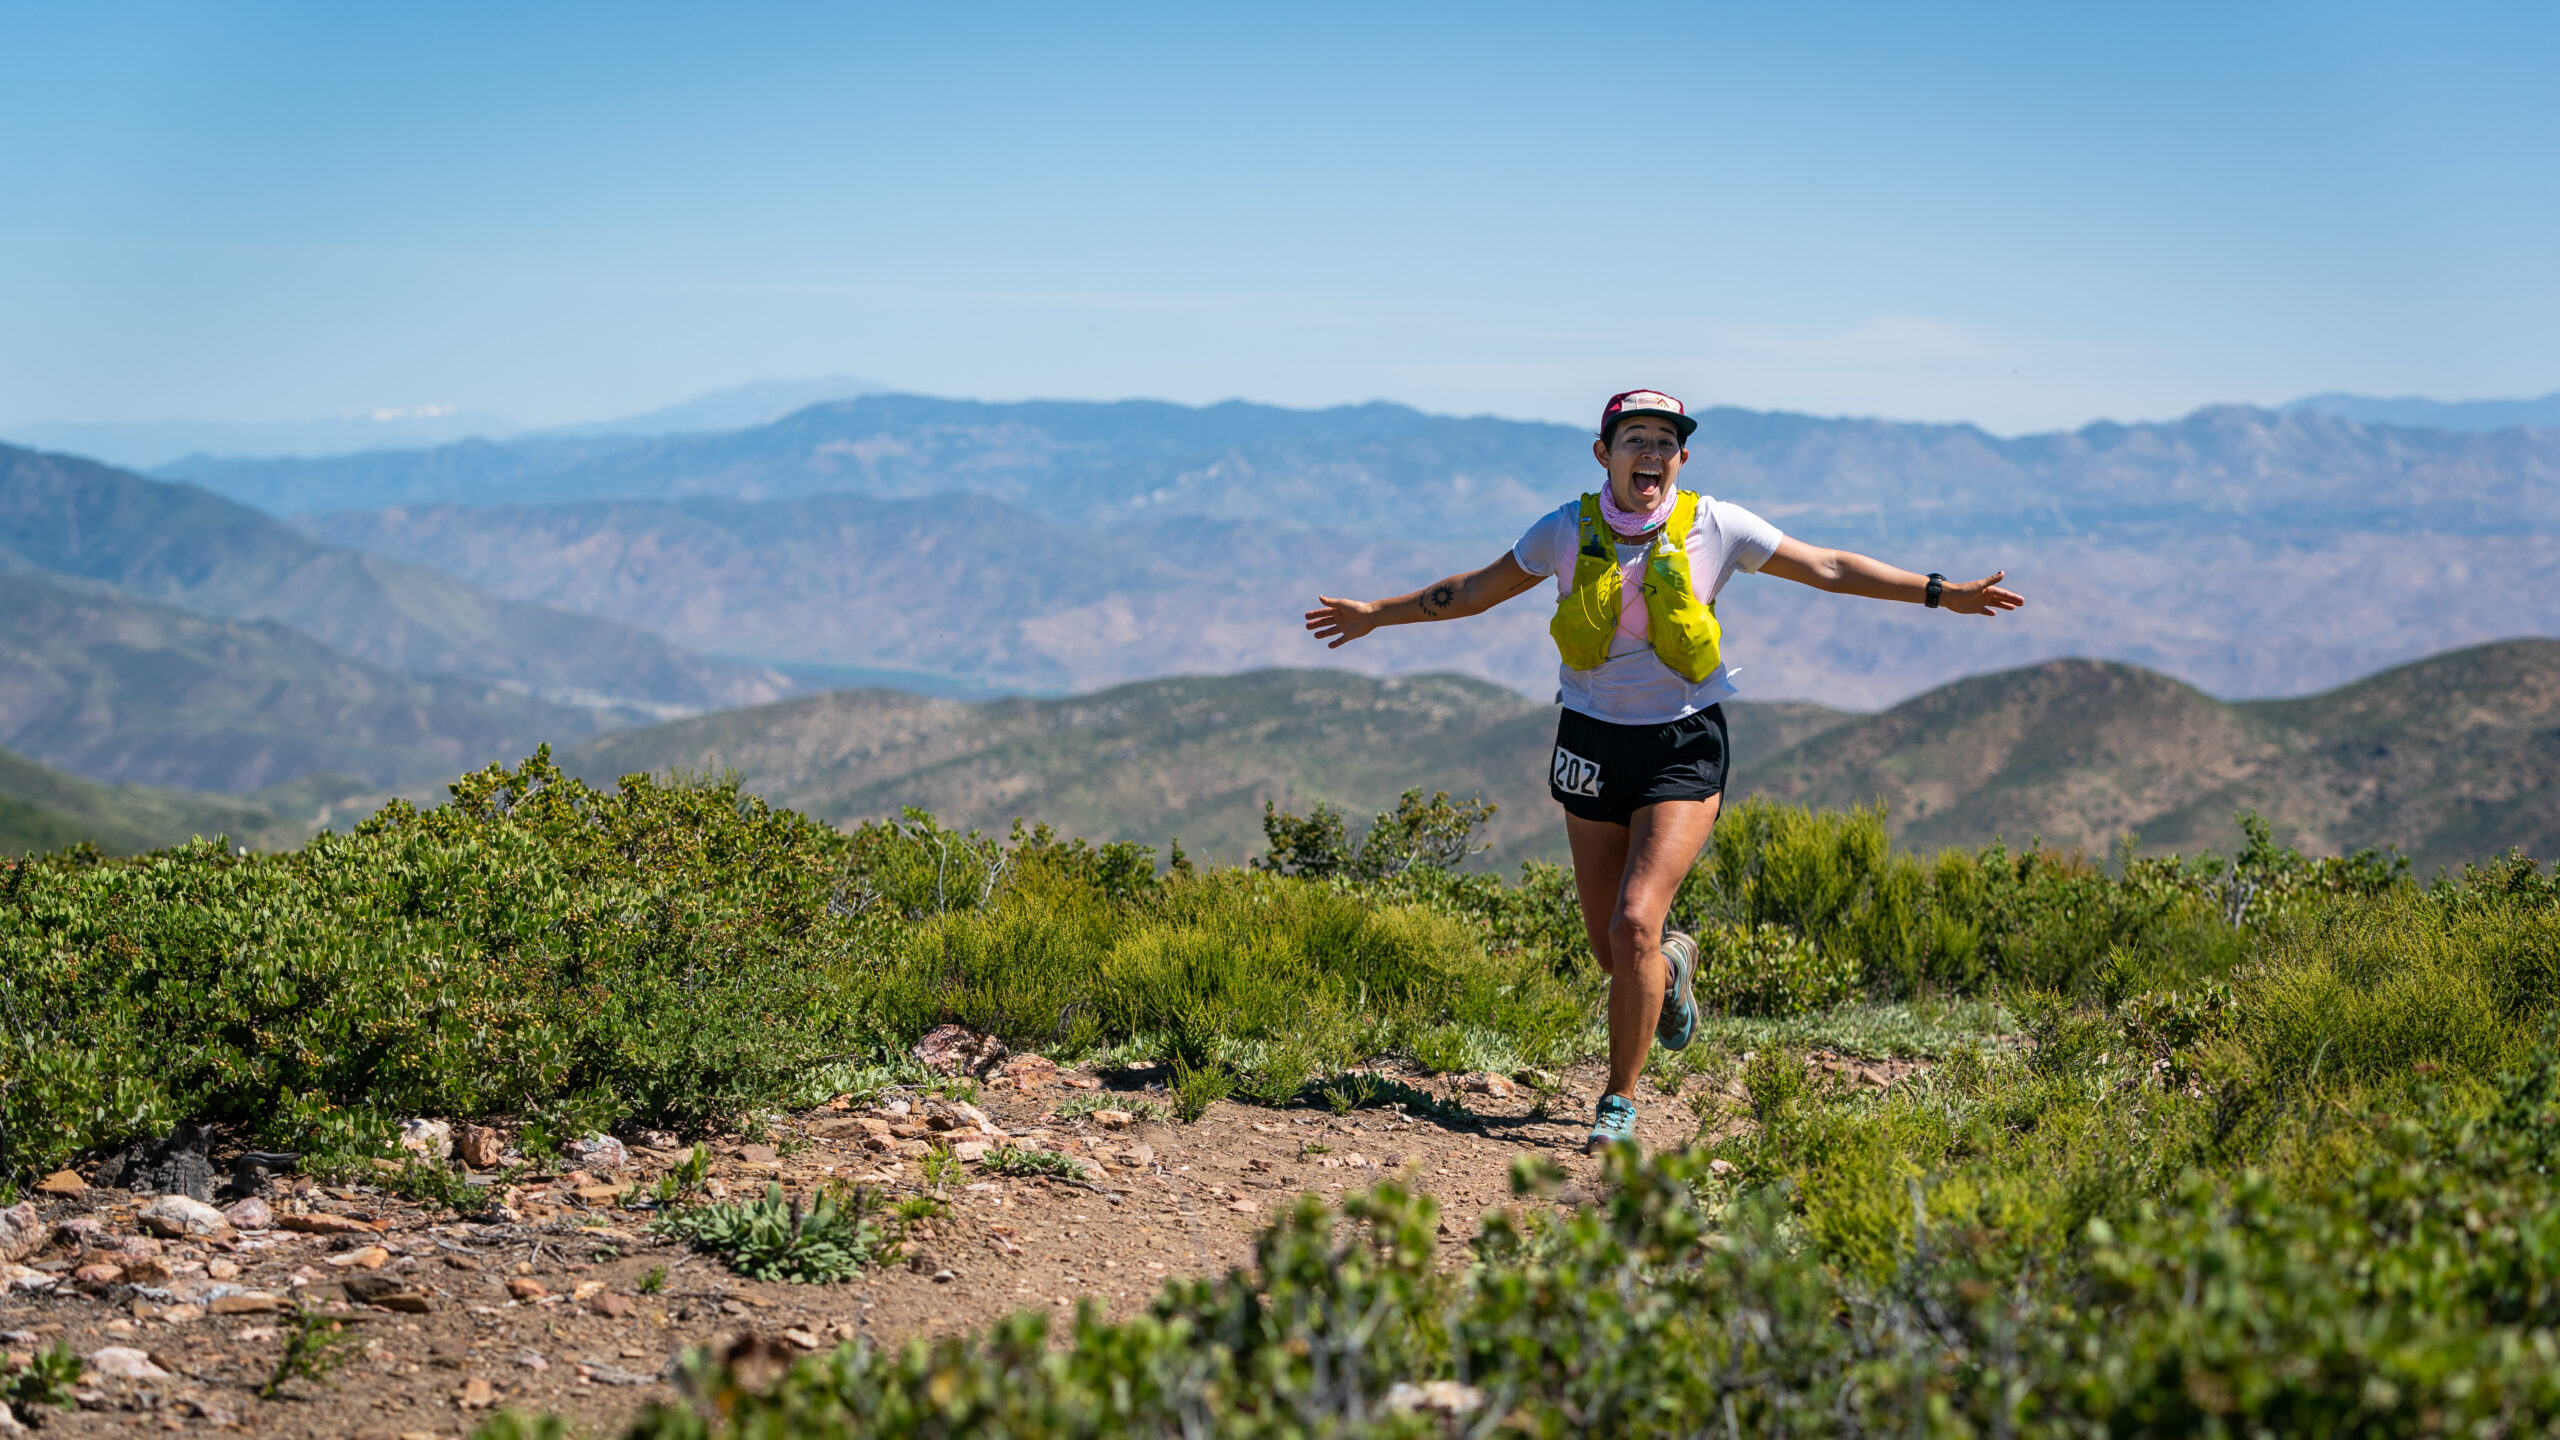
(1679, 1022)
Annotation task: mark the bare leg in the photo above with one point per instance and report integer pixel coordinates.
(1626, 876)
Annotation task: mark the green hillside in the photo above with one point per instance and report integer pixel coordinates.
(42, 809)
(1193, 757)
(121, 690)
(2452, 758)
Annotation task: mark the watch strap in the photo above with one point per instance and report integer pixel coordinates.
(1937, 589)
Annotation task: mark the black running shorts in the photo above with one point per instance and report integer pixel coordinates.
(1602, 771)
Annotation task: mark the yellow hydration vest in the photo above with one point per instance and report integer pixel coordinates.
(1682, 627)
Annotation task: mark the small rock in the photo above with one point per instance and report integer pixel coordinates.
(1082, 1082)
(63, 1182)
(613, 1375)
(480, 1147)
(22, 1231)
(250, 1214)
(1485, 1082)
(321, 1223)
(597, 1152)
(177, 1217)
(84, 1230)
(803, 1339)
(587, 1290)
(14, 1276)
(658, 1139)
(98, 1276)
(957, 1050)
(970, 1152)
(872, 1125)
(599, 1194)
(1114, 1119)
(430, 1139)
(532, 1360)
(758, 1154)
(9, 1421)
(1030, 1072)
(895, 1109)
(370, 1257)
(148, 1270)
(174, 1164)
(525, 1287)
(123, 1362)
(368, 1289)
(477, 1394)
(1243, 1207)
(1136, 1156)
(1720, 1167)
(1537, 1079)
(244, 1302)
(945, 1277)
(619, 1307)
(220, 1269)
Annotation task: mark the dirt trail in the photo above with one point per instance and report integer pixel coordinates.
(1167, 1199)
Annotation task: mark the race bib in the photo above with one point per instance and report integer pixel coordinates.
(1574, 775)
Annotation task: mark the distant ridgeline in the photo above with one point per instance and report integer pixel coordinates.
(2247, 552)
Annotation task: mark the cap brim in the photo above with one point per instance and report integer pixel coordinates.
(1682, 423)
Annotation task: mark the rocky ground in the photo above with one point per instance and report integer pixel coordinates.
(561, 1300)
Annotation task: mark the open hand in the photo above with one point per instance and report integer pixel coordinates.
(1339, 622)
(1980, 597)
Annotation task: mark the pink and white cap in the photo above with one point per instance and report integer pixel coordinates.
(1647, 402)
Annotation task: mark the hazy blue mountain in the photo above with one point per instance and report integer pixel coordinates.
(2245, 552)
(117, 689)
(182, 546)
(142, 444)
(953, 592)
(1379, 470)
(2436, 414)
(758, 402)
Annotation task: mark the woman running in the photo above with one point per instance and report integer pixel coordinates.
(1639, 763)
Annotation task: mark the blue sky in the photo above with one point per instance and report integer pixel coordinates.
(2028, 216)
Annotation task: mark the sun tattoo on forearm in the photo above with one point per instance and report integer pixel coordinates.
(1438, 599)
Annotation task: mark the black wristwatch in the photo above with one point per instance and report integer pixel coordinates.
(1937, 587)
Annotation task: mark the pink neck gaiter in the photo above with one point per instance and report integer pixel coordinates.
(1627, 522)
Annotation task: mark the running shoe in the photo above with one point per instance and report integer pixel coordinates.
(1679, 1022)
(1613, 1121)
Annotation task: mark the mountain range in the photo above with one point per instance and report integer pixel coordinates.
(2452, 759)
(1056, 546)
(2543, 413)
(157, 634)
(148, 443)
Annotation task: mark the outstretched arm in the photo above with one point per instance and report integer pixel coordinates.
(1339, 622)
(1846, 572)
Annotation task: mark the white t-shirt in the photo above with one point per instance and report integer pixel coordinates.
(1632, 687)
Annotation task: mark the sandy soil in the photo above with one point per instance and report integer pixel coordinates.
(1166, 1199)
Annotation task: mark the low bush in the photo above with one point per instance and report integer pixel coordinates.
(834, 1237)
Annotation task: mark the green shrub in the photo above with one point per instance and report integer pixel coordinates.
(773, 1238)
(1196, 1088)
